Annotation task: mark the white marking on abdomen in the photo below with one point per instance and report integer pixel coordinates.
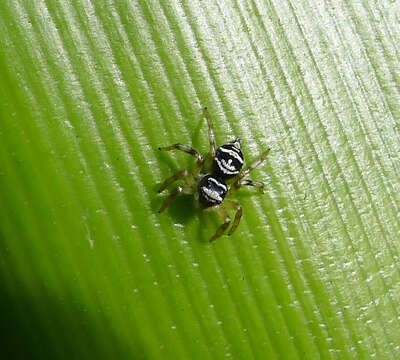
(216, 182)
(212, 194)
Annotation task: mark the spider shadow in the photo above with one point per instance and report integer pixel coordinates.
(210, 221)
(182, 209)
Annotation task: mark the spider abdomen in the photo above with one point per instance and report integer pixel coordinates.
(212, 190)
(228, 160)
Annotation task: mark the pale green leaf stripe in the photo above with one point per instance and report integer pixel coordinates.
(90, 89)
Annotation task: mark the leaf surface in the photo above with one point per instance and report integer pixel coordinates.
(88, 92)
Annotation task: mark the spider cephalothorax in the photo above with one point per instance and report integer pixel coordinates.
(208, 180)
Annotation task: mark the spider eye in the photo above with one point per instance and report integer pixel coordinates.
(237, 143)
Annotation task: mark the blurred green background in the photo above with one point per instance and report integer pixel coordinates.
(90, 89)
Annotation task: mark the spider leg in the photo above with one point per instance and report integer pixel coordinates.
(227, 220)
(258, 184)
(187, 149)
(211, 135)
(234, 205)
(253, 165)
(211, 138)
(173, 178)
(171, 197)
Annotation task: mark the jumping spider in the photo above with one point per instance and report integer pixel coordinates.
(213, 179)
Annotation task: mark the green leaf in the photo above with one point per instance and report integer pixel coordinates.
(88, 92)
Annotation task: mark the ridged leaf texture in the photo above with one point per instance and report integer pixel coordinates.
(88, 92)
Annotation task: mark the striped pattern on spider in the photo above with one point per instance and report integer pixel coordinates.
(213, 179)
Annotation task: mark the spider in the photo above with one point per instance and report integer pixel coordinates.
(213, 179)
